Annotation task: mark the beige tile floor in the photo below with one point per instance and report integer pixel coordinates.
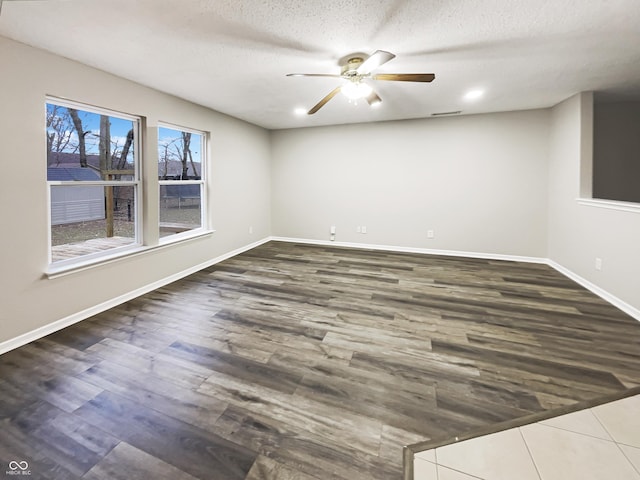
(600, 443)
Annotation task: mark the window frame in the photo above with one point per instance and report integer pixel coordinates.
(204, 158)
(136, 183)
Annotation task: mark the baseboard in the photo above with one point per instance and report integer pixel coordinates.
(79, 316)
(89, 312)
(612, 299)
(425, 251)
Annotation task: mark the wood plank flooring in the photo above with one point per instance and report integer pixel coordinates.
(303, 362)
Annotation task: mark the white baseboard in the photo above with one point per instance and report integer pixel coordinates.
(425, 251)
(84, 314)
(612, 299)
(79, 316)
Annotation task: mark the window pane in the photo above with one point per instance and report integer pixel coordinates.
(90, 219)
(179, 155)
(88, 146)
(180, 208)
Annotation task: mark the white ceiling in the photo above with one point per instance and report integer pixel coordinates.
(232, 55)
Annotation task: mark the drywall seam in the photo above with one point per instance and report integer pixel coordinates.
(84, 314)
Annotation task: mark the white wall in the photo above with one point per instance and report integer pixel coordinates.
(579, 233)
(478, 181)
(239, 187)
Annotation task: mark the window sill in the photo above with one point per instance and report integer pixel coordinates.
(179, 237)
(79, 265)
(610, 204)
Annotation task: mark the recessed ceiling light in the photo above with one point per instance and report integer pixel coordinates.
(300, 111)
(473, 94)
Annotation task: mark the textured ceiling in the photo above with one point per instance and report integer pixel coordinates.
(232, 55)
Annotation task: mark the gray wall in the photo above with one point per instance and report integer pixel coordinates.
(616, 151)
(478, 181)
(239, 188)
(580, 233)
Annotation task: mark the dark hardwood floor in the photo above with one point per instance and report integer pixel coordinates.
(304, 362)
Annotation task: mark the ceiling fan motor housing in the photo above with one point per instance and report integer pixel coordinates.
(351, 67)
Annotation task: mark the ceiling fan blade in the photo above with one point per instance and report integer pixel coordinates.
(313, 75)
(322, 102)
(405, 77)
(377, 58)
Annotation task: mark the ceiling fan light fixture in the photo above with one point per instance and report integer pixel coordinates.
(355, 90)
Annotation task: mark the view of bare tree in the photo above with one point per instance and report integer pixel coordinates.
(77, 124)
(59, 134)
(177, 150)
(104, 147)
(122, 162)
(186, 149)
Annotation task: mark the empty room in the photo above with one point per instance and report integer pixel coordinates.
(296, 240)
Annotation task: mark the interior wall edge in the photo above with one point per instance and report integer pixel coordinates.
(52, 327)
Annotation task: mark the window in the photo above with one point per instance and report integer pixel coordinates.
(93, 180)
(181, 160)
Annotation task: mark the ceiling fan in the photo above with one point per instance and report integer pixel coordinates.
(355, 71)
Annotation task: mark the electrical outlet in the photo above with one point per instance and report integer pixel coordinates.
(250, 230)
(430, 234)
(358, 229)
(363, 229)
(332, 231)
(598, 263)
